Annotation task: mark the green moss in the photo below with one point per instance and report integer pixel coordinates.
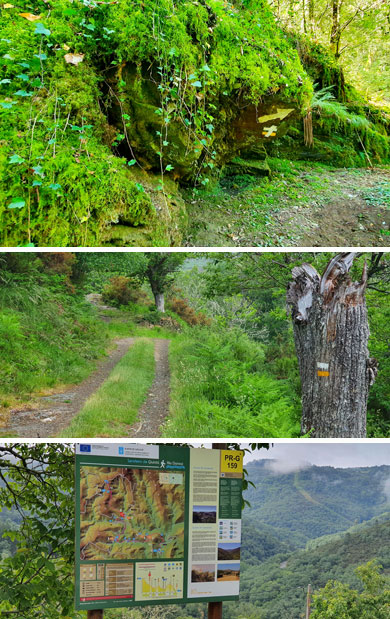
(58, 154)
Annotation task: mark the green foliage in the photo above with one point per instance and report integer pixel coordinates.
(47, 334)
(37, 581)
(339, 601)
(122, 290)
(220, 387)
(204, 44)
(61, 182)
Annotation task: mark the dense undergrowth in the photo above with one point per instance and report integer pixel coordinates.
(104, 105)
(47, 336)
(221, 387)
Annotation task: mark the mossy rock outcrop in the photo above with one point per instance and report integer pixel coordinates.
(181, 88)
(238, 126)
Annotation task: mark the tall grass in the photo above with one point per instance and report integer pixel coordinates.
(221, 387)
(114, 407)
(47, 335)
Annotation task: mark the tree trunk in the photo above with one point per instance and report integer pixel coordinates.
(159, 300)
(331, 334)
(312, 21)
(335, 34)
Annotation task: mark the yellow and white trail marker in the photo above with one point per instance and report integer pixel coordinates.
(323, 369)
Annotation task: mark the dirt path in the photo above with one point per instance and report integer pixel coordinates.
(354, 210)
(54, 413)
(156, 407)
(307, 206)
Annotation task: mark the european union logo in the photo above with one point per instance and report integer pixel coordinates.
(121, 451)
(85, 448)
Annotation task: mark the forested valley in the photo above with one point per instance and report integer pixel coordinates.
(87, 338)
(318, 525)
(194, 122)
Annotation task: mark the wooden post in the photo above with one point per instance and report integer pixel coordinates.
(308, 602)
(95, 614)
(215, 608)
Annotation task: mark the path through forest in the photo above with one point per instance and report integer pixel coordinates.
(305, 205)
(52, 414)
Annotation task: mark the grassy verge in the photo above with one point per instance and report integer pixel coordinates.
(220, 387)
(48, 337)
(115, 405)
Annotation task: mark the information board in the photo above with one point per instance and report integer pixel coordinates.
(156, 524)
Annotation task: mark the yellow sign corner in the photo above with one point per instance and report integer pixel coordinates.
(231, 461)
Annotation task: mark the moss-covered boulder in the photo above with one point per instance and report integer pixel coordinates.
(93, 96)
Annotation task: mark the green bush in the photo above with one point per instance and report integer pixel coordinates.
(47, 335)
(221, 387)
(123, 290)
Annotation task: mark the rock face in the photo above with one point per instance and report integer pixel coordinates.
(239, 128)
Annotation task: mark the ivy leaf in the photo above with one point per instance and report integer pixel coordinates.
(205, 68)
(6, 105)
(41, 29)
(6, 81)
(37, 183)
(197, 84)
(24, 77)
(38, 170)
(23, 93)
(40, 56)
(55, 186)
(169, 167)
(17, 203)
(8, 57)
(132, 162)
(16, 159)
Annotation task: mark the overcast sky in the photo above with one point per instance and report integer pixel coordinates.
(291, 456)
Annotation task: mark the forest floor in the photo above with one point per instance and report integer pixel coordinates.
(301, 205)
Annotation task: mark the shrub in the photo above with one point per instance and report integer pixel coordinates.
(123, 290)
(187, 313)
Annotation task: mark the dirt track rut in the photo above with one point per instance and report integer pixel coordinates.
(53, 413)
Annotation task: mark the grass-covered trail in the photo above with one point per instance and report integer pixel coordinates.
(127, 395)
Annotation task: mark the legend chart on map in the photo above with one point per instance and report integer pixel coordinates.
(105, 582)
(159, 580)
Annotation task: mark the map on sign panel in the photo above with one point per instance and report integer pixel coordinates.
(131, 513)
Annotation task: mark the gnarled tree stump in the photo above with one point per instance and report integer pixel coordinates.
(331, 333)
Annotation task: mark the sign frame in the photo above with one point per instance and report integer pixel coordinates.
(169, 458)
